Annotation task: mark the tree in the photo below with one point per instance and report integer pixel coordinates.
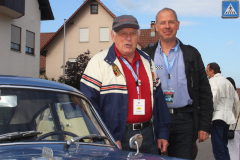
(75, 70)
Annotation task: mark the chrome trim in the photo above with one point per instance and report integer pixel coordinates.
(95, 144)
(29, 143)
(77, 143)
(36, 88)
(41, 88)
(170, 110)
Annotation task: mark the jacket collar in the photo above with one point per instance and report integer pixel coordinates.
(217, 75)
(187, 54)
(111, 55)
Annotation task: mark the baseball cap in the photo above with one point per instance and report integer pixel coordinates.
(124, 21)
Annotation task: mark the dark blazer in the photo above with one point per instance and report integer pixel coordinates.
(198, 87)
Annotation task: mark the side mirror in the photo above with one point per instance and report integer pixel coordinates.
(135, 142)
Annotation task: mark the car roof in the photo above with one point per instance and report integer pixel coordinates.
(34, 82)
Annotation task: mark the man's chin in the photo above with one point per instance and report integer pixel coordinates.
(168, 39)
(129, 51)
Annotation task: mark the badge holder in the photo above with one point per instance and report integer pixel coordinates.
(169, 96)
(139, 104)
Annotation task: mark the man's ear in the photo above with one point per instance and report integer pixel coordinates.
(112, 35)
(155, 24)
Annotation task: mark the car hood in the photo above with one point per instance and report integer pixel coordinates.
(89, 152)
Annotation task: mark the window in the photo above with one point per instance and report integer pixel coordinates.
(83, 34)
(94, 8)
(152, 34)
(104, 34)
(151, 44)
(15, 38)
(73, 62)
(30, 41)
(71, 110)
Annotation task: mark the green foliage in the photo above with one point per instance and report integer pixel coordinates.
(75, 70)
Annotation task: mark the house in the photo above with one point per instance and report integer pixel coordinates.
(44, 37)
(148, 37)
(87, 29)
(20, 35)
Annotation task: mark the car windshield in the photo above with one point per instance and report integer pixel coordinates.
(58, 116)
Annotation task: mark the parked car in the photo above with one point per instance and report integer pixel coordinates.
(41, 119)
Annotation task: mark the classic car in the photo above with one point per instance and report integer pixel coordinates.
(42, 119)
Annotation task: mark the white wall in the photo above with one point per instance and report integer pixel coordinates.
(20, 63)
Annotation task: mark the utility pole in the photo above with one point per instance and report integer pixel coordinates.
(64, 52)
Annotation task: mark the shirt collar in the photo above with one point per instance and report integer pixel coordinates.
(159, 47)
(136, 56)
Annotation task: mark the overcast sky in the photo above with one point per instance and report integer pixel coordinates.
(201, 25)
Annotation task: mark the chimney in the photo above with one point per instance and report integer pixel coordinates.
(152, 34)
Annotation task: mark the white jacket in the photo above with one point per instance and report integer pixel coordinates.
(236, 113)
(224, 99)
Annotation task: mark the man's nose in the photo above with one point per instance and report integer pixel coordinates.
(167, 25)
(128, 36)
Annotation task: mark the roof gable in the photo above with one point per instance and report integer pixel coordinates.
(69, 21)
(46, 10)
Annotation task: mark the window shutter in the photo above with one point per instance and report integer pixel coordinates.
(15, 34)
(72, 59)
(30, 39)
(84, 34)
(104, 34)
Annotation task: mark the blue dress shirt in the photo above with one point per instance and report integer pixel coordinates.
(178, 80)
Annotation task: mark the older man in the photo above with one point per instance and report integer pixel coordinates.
(122, 85)
(185, 86)
(223, 99)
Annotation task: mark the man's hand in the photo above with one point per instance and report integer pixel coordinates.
(162, 145)
(119, 144)
(202, 136)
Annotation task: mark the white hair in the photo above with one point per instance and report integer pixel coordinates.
(114, 33)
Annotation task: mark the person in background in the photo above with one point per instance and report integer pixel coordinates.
(123, 87)
(185, 86)
(224, 99)
(234, 144)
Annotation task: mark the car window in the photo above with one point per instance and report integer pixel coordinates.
(59, 116)
(70, 110)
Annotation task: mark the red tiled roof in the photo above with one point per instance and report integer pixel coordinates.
(42, 62)
(146, 38)
(44, 37)
(52, 37)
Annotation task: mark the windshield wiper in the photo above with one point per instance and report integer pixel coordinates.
(91, 136)
(16, 135)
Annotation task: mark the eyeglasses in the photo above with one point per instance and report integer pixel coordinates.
(125, 34)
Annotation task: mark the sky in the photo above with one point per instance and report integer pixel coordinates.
(201, 26)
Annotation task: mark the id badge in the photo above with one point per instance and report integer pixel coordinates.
(169, 96)
(139, 107)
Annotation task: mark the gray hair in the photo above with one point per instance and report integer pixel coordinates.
(114, 33)
(166, 9)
